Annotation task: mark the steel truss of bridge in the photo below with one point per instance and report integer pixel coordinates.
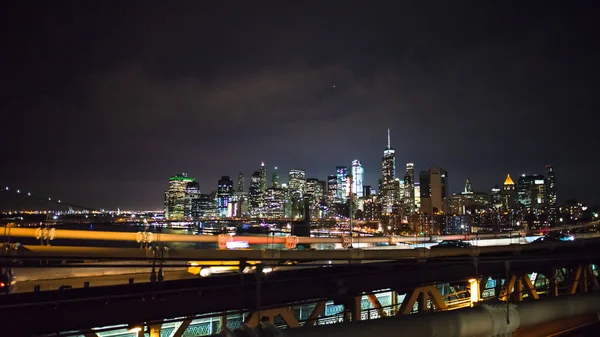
(566, 268)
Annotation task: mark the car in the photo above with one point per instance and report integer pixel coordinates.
(453, 244)
(7, 281)
(564, 237)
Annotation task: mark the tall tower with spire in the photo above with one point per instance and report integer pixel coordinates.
(263, 177)
(388, 176)
(509, 194)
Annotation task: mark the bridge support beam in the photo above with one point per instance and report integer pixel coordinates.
(582, 279)
(155, 330)
(314, 315)
(352, 309)
(422, 294)
(377, 305)
(180, 330)
(394, 303)
(287, 314)
(516, 287)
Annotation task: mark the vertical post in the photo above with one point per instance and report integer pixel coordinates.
(394, 302)
(422, 300)
(223, 322)
(155, 330)
(474, 290)
(553, 291)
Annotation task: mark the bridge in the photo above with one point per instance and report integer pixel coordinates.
(354, 281)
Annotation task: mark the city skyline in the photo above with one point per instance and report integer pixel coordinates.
(103, 103)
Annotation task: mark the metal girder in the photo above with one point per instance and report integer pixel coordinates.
(375, 302)
(422, 294)
(516, 288)
(314, 315)
(183, 325)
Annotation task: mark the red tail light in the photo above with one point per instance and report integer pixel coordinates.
(1, 284)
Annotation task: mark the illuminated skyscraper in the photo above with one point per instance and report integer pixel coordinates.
(263, 177)
(409, 186)
(509, 194)
(275, 202)
(315, 192)
(551, 191)
(275, 182)
(388, 176)
(255, 195)
(468, 186)
(341, 184)
(358, 174)
(207, 205)
(176, 197)
(496, 199)
(224, 196)
(192, 195)
(417, 194)
(531, 191)
(331, 189)
(296, 183)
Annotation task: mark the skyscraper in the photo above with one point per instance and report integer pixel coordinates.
(275, 202)
(358, 174)
(438, 180)
(296, 183)
(192, 196)
(509, 193)
(263, 177)
(409, 186)
(224, 196)
(240, 182)
(255, 195)
(468, 186)
(388, 176)
(315, 192)
(434, 191)
(341, 185)
(331, 189)
(496, 199)
(176, 197)
(417, 194)
(531, 192)
(551, 191)
(425, 191)
(275, 182)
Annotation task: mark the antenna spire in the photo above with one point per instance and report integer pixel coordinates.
(389, 142)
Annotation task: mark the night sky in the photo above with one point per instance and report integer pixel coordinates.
(102, 101)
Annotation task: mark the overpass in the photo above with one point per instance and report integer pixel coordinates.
(566, 268)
